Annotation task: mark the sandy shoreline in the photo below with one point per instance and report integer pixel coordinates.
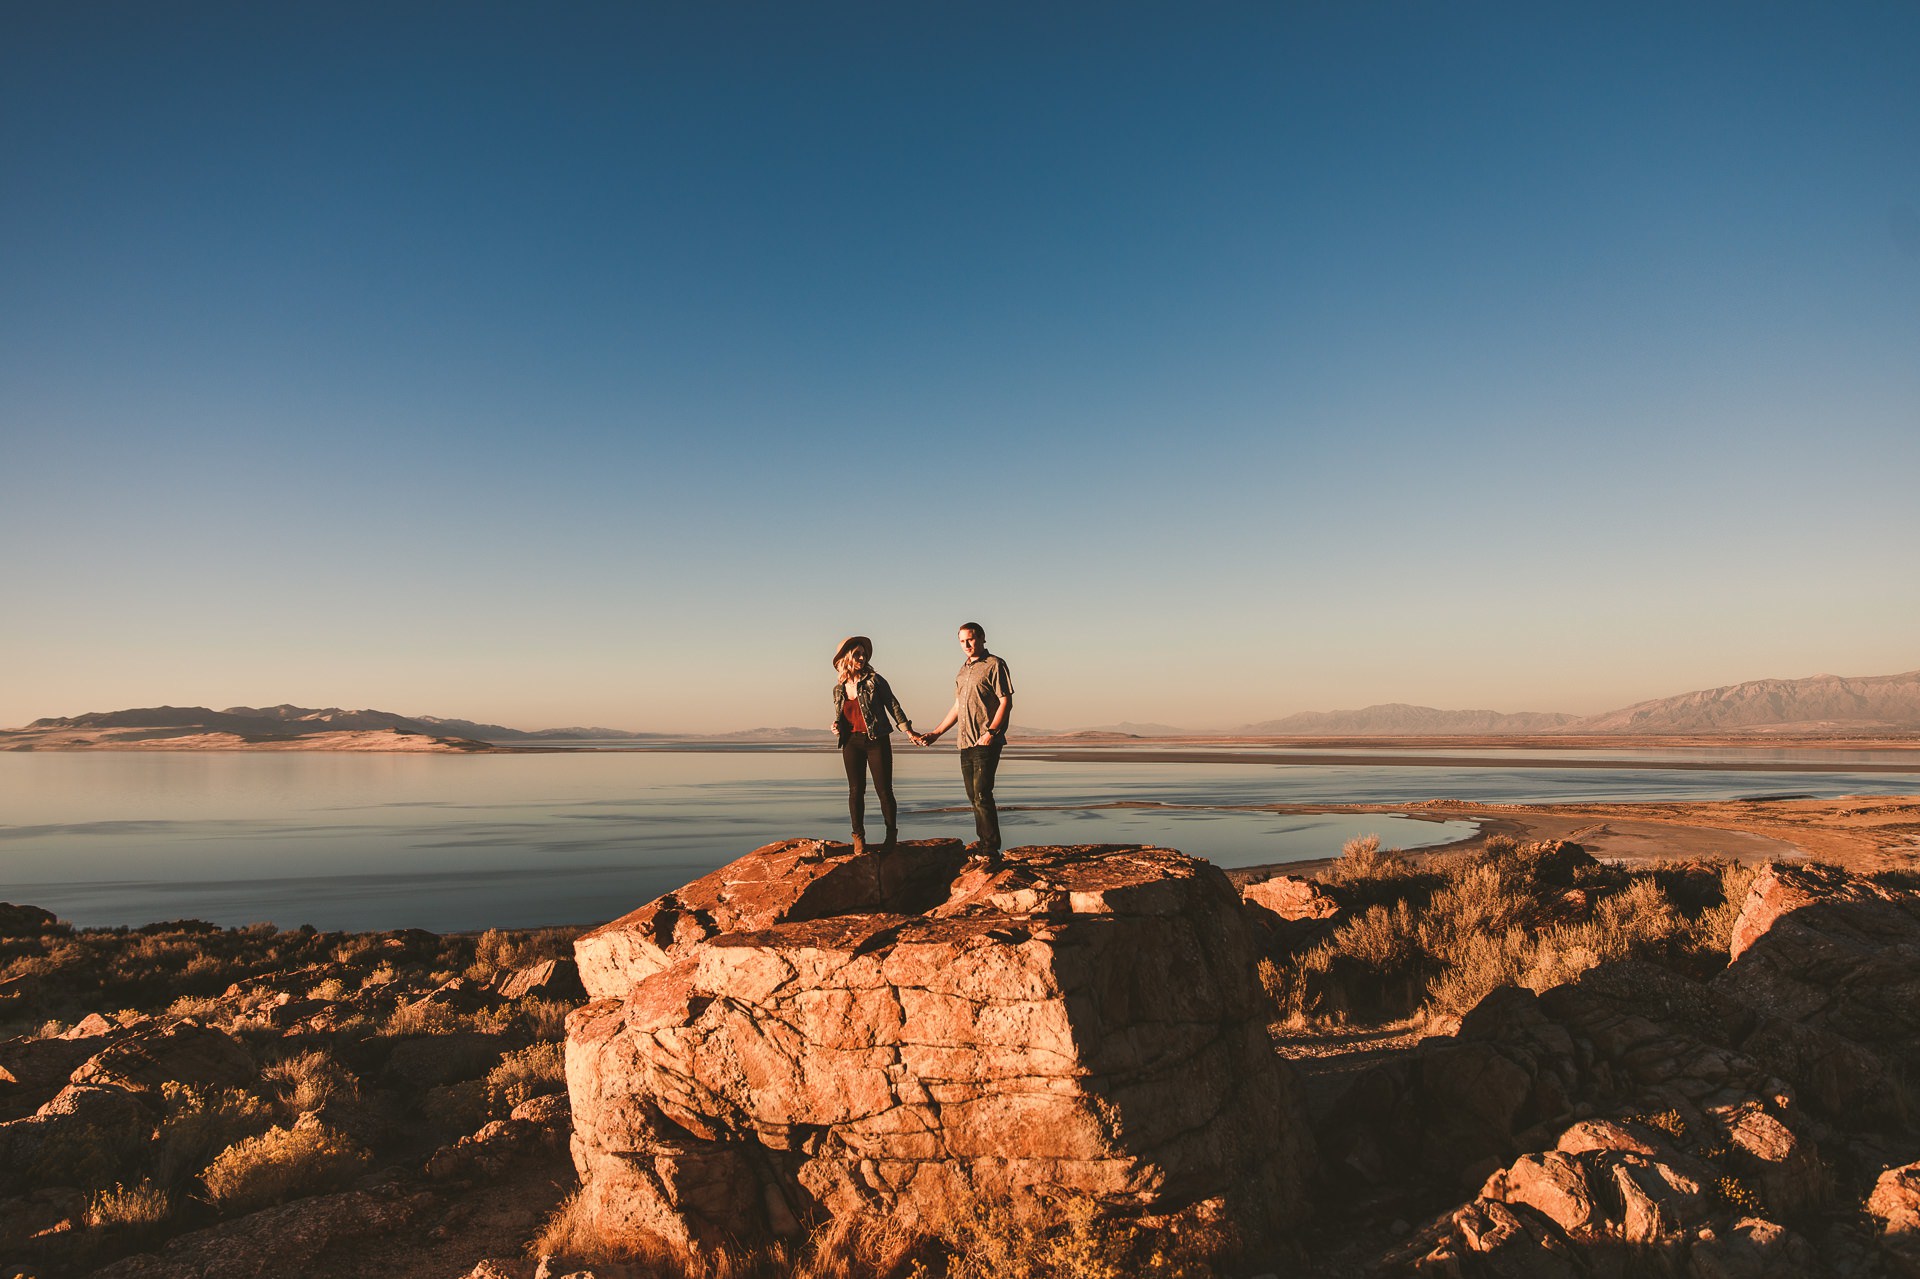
(1863, 834)
(1382, 760)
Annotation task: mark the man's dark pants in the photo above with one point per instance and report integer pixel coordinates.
(978, 764)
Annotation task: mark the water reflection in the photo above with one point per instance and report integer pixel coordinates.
(452, 842)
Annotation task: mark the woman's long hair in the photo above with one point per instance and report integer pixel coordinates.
(845, 665)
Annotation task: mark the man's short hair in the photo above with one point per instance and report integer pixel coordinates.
(979, 631)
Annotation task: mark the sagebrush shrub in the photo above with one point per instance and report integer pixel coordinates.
(280, 1164)
(198, 1124)
(138, 1206)
(306, 1081)
(1535, 915)
(1362, 858)
(534, 1071)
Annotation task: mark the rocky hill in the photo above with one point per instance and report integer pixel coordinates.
(286, 719)
(237, 728)
(1819, 703)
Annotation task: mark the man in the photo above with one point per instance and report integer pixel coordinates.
(982, 703)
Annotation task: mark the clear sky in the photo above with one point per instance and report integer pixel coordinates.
(607, 363)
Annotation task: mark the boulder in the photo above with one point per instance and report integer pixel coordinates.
(1828, 965)
(1752, 1248)
(486, 1153)
(551, 1114)
(457, 995)
(1080, 1023)
(86, 1132)
(1606, 1190)
(1773, 1151)
(549, 979)
(1291, 897)
(92, 1026)
(792, 881)
(181, 1052)
(1896, 1202)
(33, 1070)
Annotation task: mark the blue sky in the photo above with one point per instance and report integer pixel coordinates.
(608, 363)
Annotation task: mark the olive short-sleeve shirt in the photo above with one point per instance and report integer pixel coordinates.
(983, 683)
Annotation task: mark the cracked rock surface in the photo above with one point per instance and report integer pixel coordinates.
(806, 1033)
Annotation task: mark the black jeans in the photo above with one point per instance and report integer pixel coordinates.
(978, 764)
(861, 754)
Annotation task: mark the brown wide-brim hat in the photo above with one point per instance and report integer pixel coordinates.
(848, 643)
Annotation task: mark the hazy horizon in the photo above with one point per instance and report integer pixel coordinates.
(592, 721)
(608, 365)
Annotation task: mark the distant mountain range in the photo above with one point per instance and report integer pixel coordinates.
(1397, 718)
(1819, 704)
(295, 721)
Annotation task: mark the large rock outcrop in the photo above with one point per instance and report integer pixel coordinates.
(892, 1037)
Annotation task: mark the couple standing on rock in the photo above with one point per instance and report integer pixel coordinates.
(863, 701)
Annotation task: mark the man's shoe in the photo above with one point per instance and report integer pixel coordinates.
(984, 857)
(859, 843)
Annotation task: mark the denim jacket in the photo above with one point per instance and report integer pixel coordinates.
(876, 700)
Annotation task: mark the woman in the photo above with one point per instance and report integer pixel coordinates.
(862, 701)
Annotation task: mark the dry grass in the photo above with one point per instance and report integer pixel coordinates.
(138, 1206)
(1533, 915)
(282, 1164)
(544, 1019)
(989, 1241)
(1362, 858)
(207, 1009)
(424, 1017)
(307, 1081)
(496, 952)
(199, 1124)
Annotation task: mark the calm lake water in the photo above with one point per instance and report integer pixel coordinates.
(450, 842)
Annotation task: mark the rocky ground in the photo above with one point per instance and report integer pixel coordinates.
(1505, 1060)
(185, 1100)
